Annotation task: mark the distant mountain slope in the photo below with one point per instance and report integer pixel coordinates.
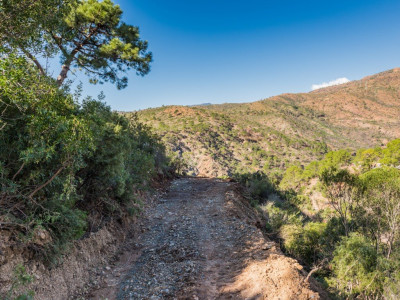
(270, 134)
(372, 103)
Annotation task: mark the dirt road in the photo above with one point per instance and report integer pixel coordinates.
(200, 241)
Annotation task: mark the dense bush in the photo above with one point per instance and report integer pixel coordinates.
(355, 268)
(57, 157)
(354, 243)
(389, 156)
(304, 242)
(257, 185)
(292, 178)
(380, 210)
(279, 216)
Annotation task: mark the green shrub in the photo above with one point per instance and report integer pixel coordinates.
(257, 185)
(354, 268)
(304, 242)
(44, 141)
(61, 161)
(391, 154)
(335, 159)
(292, 178)
(277, 217)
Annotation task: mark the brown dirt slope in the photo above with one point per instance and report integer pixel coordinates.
(271, 134)
(201, 241)
(370, 103)
(81, 264)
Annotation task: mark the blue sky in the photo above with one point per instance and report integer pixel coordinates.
(240, 51)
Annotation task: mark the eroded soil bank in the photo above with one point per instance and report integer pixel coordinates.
(202, 241)
(77, 271)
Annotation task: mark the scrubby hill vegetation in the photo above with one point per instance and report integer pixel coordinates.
(322, 166)
(270, 135)
(64, 165)
(342, 217)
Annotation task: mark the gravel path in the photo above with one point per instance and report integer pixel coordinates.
(185, 241)
(196, 243)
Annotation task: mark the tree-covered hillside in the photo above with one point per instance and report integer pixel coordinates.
(341, 216)
(270, 135)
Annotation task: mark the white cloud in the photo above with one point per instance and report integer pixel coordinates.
(330, 83)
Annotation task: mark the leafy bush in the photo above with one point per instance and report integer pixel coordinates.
(44, 141)
(292, 178)
(389, 156)
(335, 159)
(304, 242)
(381, 207)
(277, 217)
(61, 160)
(257, 185)
(354, 266)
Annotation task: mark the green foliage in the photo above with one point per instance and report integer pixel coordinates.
(61, 161)
(311, 170)
(342, 189)
(126, 157)
(381, 207)
(257, 185)
(292, 178)
(367, 158)
(23, 21)
(44, 142)
(278, 217)
(389, 156)
(304, 242)
(87, 34)
(295, 175)
(335, 159)
(392, 286)
(359, 238)
(355, 268)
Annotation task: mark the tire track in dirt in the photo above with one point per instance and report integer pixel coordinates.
(200, 241)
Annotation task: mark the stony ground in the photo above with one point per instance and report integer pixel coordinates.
(201, 241)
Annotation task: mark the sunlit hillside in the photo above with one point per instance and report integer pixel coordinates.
(269, 135)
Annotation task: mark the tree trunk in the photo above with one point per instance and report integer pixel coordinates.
(65, 67)
(63, 74)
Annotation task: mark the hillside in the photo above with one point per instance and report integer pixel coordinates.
(271, 134)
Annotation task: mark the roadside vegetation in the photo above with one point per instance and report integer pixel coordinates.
(348, 236)
(69, 164)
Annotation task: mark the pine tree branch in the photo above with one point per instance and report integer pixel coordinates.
(36, 62)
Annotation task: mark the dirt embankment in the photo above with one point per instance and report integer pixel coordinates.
(76, 272)
(202, 241)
